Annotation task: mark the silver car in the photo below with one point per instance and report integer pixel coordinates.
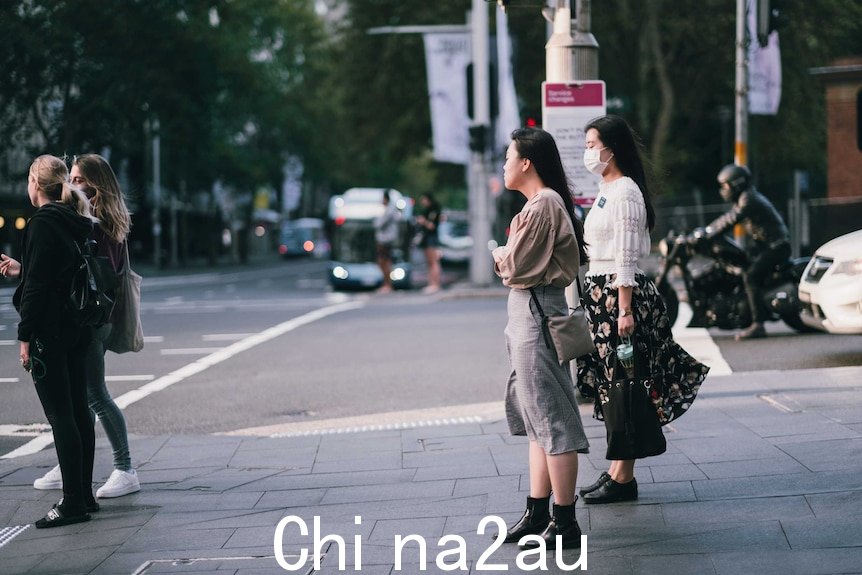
(831, 286)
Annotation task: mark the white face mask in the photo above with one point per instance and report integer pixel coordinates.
(593, 162)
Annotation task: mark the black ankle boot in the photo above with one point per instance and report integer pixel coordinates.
(563, 524)
(533, 522)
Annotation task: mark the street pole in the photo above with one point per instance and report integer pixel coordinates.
(585, 60)
(157, 194)
(479, 195)
(569, 58)
(559, 50)
(740, 154)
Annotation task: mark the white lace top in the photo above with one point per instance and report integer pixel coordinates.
(616, 231)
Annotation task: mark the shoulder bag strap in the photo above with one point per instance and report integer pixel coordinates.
(126, 252)
(538, 305)
(546, 331)
(580, 293)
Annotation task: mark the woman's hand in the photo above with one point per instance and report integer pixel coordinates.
(9, 267)
(626, 325)
(25, 355)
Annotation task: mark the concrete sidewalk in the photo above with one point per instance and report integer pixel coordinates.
(763, 476)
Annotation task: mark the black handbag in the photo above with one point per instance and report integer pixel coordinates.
(628, 404)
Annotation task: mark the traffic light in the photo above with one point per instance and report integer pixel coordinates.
(478, 137)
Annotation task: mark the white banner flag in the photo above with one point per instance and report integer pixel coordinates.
(447, 57)
(509, 118)
(764, 70)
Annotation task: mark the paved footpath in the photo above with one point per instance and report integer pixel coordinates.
(763, 476)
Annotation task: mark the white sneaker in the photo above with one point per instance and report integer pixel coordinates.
(51, 480)
(119, 483)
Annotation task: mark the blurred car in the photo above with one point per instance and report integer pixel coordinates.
(303, 237)
(453, 234)
(831, 286)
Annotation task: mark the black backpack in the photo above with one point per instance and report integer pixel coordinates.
(94, 281)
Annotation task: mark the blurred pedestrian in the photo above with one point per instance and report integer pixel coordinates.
(429, 240)
(93, 175)
(385, 235)
(53, 348)
(621, 301)
(542, 256)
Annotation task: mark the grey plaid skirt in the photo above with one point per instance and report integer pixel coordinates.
(540, 394)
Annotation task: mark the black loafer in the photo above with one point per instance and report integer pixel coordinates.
(612, 492)
(57, 518)
(603, 478)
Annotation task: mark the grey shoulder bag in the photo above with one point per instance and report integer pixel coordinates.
(569, 335)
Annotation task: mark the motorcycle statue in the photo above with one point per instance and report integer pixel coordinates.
(716, 289)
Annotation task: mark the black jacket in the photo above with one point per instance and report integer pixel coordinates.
(47, 266)
(762, 221)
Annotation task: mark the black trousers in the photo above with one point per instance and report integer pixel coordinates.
(58, 369)
(761, 267)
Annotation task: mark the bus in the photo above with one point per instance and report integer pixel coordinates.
(353, 250)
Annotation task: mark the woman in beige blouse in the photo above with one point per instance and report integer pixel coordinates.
(540, 259)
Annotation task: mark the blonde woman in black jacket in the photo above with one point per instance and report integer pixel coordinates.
(52, 346)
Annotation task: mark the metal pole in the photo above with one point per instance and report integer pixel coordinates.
(585, 60)
(559, 49)
(740, 156)
(157, 194)
(480, 222)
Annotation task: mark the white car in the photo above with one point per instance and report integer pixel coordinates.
(831, 286)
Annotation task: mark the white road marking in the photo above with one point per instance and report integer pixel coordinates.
(35, 445)
(9, 380)
(190, 350)
(697, 342)
(127, 399)
(225, 336)
(129, 377)
(154, 338)
(8, 342)
(467, 413)
(27, 430)
(7, 534)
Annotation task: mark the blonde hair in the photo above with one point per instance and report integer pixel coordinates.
(52, 178)
(108, 203)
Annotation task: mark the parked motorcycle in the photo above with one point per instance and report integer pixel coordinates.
(715, 286)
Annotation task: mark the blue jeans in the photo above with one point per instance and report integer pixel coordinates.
(102, 404)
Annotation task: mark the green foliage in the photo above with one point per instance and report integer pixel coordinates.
(238, 85)
(225, 79)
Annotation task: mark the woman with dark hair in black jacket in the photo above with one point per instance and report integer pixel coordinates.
(52, 346)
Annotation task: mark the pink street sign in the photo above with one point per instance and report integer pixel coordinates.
(571, 95)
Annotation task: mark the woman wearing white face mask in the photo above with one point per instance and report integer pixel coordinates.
(619, 299)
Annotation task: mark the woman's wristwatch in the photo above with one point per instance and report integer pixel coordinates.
(625, 311)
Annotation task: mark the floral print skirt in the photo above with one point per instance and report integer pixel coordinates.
(678, 373)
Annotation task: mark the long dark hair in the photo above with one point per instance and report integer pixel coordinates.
(433, 204)
(107, 201)
(616, 134)
(539, 147)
